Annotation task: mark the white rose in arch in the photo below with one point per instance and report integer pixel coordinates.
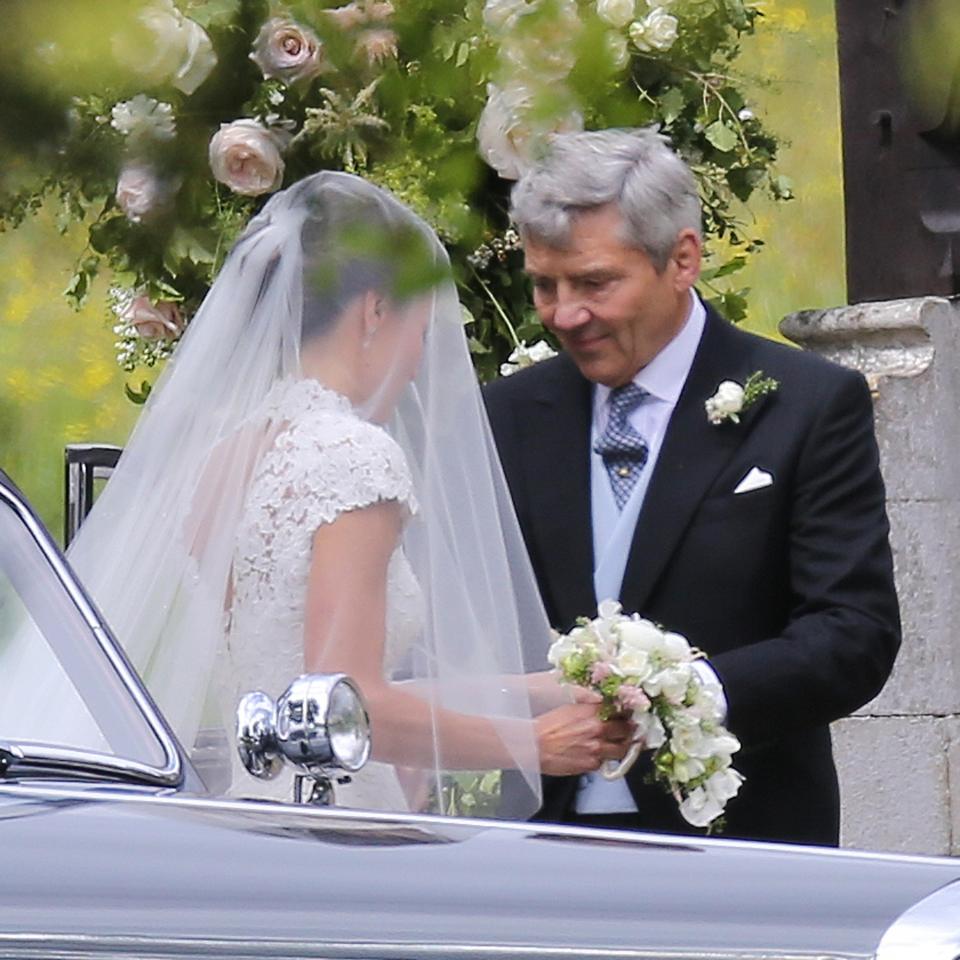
(245, 156)
(500, 16)
(286, 51)
(618, 13)
(618, 50)
(154, 321)
(506, 138)
(178, 50)
(139, 191)
(657, 31)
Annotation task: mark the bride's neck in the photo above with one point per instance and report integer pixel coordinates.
(335, 360)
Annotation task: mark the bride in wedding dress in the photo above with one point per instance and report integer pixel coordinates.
(313, 487)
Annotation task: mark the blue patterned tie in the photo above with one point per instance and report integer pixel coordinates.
(623, 450)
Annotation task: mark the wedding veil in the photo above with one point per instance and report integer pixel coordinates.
(157, 551)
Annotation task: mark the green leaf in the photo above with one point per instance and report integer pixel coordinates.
(672, 104)
(724, 270)
(138, 396)
(722, 136)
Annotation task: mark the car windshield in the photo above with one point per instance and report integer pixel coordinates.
(62, 691)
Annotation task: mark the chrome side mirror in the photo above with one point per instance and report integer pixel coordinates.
(319, 724)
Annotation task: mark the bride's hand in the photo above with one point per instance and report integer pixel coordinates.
(572, 739)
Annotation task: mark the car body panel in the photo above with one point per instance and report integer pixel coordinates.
(109, 866)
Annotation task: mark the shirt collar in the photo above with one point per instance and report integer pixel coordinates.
(664, 376)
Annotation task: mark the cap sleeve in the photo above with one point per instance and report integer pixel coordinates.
(341, 464)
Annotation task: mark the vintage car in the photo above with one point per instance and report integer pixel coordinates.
(115, 847)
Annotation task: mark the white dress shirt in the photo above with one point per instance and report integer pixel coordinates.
(663, 378)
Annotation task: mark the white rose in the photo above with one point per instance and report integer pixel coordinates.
(179, 49)
(524, 356)
(727, 402)
(675, 647)
(700, 809)
(153, 321)
(506, 138)
(640, 635)
(286, 51)
(245, 156)
(500, 16)
(618, 50)
(634, 663)
(138, 191)
(657, 31)
(618, 13)
(671, 683)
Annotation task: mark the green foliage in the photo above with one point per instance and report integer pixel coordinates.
(397, 97)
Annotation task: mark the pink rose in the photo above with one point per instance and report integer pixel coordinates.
(286, 51)
(138, 191)
(245, 156)
(154, 320)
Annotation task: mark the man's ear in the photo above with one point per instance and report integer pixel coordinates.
(686, 259)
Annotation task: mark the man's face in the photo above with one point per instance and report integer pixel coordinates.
(605, 302)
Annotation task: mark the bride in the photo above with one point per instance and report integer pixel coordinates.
(313, 487)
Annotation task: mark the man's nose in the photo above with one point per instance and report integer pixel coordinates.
(569, 312)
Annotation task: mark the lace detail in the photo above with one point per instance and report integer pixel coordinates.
(324, 461)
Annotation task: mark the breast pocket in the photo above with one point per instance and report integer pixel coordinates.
(737, 506)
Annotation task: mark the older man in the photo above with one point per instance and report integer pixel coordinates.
(762, 537)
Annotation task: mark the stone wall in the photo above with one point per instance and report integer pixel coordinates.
(899, 757)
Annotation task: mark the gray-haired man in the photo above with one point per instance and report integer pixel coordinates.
(764, 541)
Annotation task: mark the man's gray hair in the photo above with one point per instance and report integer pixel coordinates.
(636, 170)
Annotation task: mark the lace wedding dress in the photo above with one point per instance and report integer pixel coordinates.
(324, 460)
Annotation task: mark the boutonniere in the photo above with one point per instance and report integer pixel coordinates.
(731, 399)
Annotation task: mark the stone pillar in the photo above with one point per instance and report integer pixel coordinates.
(899, 756)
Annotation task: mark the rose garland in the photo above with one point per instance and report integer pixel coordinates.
(204, 107)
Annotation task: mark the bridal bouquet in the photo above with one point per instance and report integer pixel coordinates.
(639, 669)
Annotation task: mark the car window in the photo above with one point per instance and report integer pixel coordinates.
(59, 686)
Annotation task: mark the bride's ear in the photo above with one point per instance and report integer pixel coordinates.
(372, 315)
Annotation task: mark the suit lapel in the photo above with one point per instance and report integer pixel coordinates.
(557, 472)
(693, 453)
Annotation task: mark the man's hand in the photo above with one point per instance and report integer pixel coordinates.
(572, 739)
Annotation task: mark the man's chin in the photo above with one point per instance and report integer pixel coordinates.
(597, 367)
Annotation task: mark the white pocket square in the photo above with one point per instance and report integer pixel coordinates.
(756, 479)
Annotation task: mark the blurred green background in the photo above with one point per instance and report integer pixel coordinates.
(59, 382)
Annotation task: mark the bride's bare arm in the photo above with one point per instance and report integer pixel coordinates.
(345, 632)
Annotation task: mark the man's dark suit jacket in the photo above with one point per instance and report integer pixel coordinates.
(788, 589)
